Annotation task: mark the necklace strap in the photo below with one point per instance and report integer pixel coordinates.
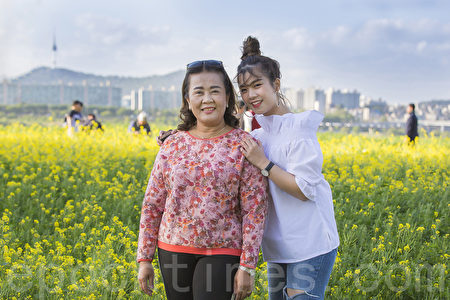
(212, 135)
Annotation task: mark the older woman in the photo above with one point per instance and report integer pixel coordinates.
(205, 204)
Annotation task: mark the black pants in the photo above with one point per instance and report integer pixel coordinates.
(412, 141)
(199, 277)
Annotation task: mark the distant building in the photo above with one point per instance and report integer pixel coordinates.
(126, 101)
(292, 97)
(300, 98)
(149, 99)
(342, 99)
(134, 100)
(314, 99)
(434, 110)
(373, 110)
(106, 95)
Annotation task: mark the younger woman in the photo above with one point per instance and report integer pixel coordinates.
(300, 239)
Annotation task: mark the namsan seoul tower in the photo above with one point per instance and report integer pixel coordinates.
(54, 49)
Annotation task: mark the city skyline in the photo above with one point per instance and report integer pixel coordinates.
(395, 50)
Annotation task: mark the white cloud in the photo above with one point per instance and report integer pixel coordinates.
(373, 52)
(109, 31)
(337, 35)
(421, 46)
(381, 55)
(299, 38)
(376, 38)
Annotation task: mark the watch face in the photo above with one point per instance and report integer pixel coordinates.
(265, 172)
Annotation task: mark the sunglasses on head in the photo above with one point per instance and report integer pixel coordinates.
(207, 63)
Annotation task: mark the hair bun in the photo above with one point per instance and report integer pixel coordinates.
(250, 47)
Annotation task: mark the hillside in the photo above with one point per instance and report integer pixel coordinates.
(50, 76)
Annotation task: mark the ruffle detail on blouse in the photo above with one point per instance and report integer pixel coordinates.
(304, 123)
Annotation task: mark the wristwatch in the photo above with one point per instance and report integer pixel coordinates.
(248, 270)
(265, 171)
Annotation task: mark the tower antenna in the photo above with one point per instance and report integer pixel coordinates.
(54, 49)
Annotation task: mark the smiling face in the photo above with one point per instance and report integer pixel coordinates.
(207, 98)
(259, 93)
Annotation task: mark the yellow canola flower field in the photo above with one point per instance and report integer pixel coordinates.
(70, 207)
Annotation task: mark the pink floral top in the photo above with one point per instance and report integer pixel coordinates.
(203, 197)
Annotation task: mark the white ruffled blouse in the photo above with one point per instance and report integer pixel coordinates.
(297, 230)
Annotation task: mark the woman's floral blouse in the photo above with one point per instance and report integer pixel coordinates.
(203, 197)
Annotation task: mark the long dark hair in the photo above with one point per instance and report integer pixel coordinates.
(252, 60)
(188, 119)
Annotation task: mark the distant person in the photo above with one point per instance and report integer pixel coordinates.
(411, 124)
(93, 124)
(140, 124)
(74, 119)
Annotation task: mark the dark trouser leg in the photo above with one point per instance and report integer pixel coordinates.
(276, 277)
(177, 270)
(214, 277)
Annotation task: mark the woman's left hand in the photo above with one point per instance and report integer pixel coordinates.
(254, 153)
(243, 284)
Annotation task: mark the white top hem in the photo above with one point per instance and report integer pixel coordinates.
(295, 260)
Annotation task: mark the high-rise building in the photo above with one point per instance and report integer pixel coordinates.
(314, 99)
(149, 99)
(134, 100)
(292, 97)
(342, 99)
(300, 98)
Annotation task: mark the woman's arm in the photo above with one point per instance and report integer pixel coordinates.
(152, 210)
(253, 203)
(254, 152)
(151, 214)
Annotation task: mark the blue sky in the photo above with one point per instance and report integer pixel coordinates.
(398, 50)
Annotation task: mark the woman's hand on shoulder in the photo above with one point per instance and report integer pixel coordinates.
(254, 152)
(163, 135)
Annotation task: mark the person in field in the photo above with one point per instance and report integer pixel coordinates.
(300, 237)
(74, 119)
(93, 124)
(411, 124)
(140, 125)
(205, 205)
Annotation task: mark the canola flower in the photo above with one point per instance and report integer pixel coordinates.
(70, 208)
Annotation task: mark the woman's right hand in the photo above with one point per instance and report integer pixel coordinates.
(146, 277)
(243, 285)
(163, 135)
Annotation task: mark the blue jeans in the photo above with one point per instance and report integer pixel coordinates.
(310, 276)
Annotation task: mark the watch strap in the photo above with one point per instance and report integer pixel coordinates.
(248, 270)
(269, 166)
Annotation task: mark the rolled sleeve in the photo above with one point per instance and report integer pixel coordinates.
(253, 200)
(305, 163)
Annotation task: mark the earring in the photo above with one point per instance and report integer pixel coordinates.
(227, 104)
